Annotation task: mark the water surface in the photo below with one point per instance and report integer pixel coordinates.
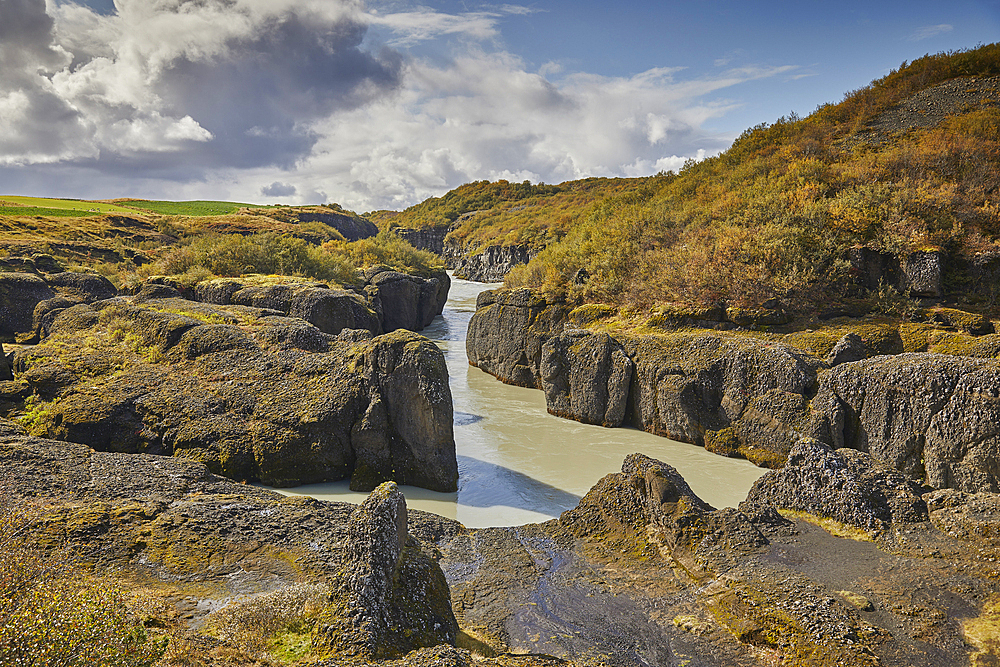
(517, 464)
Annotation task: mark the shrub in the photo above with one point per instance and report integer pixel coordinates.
(386, 249)
(52, 615)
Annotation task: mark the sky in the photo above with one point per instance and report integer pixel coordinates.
(382, 104)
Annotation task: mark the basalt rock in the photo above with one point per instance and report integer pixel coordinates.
(508, 330)
(492, 263)
(5, 372)
(933, 417)
(688, 384)
(408, 302)
(849, 348)
(87, 287)
(843, 484)
(19, 294)
(586, 377)
(329, 310)
(392, 597)
(253, 395)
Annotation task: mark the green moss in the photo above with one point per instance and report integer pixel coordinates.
(591, 312)
(722, 442)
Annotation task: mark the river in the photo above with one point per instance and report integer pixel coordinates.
(518, 464)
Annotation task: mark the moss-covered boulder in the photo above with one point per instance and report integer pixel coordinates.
(508, 330)
(391, 597)
(19, 294)
(252, 395)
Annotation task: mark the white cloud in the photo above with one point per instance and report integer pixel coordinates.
(929, 31)
(213, 98)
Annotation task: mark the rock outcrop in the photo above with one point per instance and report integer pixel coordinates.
(390, 300)
(252, 394)
(507, 332)
(844, 484)
(586, 376)
(919, 274)
(393, 597)
(405, 301)
(430, 239)
(19, 294)
(933, 417)
(492, 263)
(641, 572)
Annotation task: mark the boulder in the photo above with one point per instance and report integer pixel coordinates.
(274, 399)
(408, 302)
(843, 484)
(508, 330)
(45, 313)
(329, 310)
(5, 370)
(849, 348)
(586, 377)
(392, 598)
(406, 434)
(19, 294)
(933, 417)
(86, 287)
(923, 272)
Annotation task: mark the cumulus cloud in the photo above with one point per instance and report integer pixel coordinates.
(212, 98)
(187, 85)
(278, 189)
(929, 31)
(484, 116)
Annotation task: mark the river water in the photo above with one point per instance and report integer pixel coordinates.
(518, 464)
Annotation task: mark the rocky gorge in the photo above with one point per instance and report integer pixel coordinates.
(931, 416)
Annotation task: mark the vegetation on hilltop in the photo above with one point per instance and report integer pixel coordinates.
(182, 240)
(775, 215)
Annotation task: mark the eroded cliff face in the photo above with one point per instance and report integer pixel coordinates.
(932, 417)
(253, 394)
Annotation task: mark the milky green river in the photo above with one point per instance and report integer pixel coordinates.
(517, 463)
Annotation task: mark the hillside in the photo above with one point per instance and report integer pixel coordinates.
(908, 164)
(129, 240)
(798, 211)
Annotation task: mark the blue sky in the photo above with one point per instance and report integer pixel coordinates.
(382, 104)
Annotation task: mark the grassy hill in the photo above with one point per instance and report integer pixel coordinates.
(128, 240)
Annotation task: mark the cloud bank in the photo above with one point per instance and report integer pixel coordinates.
(309, 99)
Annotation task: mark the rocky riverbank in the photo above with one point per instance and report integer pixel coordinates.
(832, 560)
(286, 384)
(933, 417)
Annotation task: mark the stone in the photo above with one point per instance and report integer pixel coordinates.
(87, 287)
(6, 373)
(492, 263)
(586, 376)
(849, 348)
(248, 401)
(507, 333)
(408, 302)
(19, 294)
(843, 484)
(923, 272)
(933, 417)
(393, 598)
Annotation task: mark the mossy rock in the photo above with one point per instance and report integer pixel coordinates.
(591, 312)
(723, 442)
(970, 323)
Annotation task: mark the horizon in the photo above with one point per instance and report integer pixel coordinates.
(381, 105)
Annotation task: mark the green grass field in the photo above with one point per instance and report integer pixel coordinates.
(184, 207)
(17, 205)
